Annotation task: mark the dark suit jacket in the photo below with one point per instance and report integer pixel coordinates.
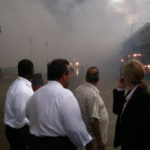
(118, 102)
(133, 126)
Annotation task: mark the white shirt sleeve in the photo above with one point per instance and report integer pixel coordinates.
(95, 110)
(73, 123)
(20, 101)
(27, 108)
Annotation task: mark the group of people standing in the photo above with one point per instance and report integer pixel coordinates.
(53, 117)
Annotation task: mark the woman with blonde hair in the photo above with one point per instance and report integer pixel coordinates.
(133, 109)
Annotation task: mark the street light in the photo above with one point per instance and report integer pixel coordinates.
(76, 63)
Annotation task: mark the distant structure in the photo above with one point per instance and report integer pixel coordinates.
(137, 46)
(138, 42)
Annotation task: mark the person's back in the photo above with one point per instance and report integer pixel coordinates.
(18, 88)
(84, 95)
(54, 97)
(88, 96)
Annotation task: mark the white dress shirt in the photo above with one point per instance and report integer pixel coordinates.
(54, 111)
(16, 99)
(92, 106)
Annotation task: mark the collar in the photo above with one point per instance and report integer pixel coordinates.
(27, 82)
(54, 82)
(131, 93)
(92, 86)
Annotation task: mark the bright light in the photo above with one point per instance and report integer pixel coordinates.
(147, 66)
(77, 63)
(139, 54)
(77, 72)
(122, 60)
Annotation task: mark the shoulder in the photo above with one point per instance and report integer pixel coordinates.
(142, 96)
(81, 87)
(21, 87)
(66, 98)
(16, 87)
(66, 93)
(140, 91)
(85, 89)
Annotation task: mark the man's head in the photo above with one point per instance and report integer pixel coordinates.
(92, 75)
(58, 70)
(25, 69)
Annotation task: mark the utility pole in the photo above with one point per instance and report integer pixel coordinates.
(30, 48)
(47, 51)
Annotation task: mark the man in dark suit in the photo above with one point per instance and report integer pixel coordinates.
(133, 109)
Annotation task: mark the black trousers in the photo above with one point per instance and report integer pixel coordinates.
(17, 138)
(50, 143)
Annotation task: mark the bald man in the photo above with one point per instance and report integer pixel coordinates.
(93, 108)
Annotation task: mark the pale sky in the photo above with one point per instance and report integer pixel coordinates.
(89, 30)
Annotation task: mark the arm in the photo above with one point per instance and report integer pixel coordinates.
(97, 133)
(20, 104)
(90, 146)
(98, 115)
(118, 96)
(74, 125)
(27, 108)
(118, 101)
(20, 101)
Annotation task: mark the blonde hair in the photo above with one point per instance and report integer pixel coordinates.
(134, 71)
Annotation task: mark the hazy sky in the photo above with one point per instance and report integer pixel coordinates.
(87, 30)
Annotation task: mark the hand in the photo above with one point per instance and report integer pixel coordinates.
(90, 146)
(101, 145)
(122, 83)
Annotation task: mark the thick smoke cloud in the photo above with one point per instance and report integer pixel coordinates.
(59, 7)
(91, 31)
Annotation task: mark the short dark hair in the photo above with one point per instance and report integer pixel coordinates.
(57, 68)
(92, 76)
(25, 67)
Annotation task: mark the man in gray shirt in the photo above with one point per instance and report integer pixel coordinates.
(93, 108)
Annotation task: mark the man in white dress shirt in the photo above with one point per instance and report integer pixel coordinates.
(14, 116)
(54, 114)
(93, 108)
